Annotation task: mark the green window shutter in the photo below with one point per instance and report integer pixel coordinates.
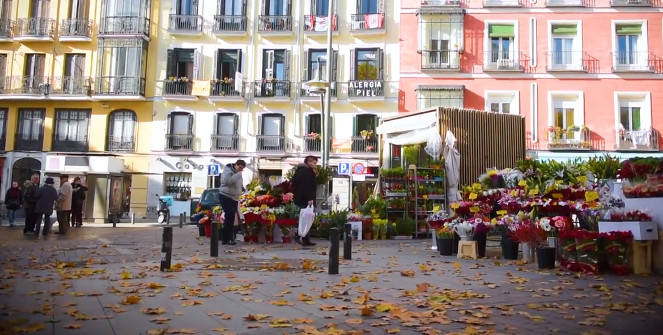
(565, 29)
(355, 131)
(501, 30)
(171, 65)
(629, 29)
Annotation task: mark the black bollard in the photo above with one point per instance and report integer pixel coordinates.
(181, 220)
(333, 251)
(347, 242)
(214, 240)
(166, 248)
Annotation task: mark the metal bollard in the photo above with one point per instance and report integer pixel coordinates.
(166, 248)
(113, 218)
(181, 220)
(333, 251)
(133, 218)
(347, 242)
(214, 240)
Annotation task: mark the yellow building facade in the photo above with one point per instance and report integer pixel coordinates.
(230, 84)
(74, 98)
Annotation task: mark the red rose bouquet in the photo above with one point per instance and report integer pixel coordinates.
(615, 247)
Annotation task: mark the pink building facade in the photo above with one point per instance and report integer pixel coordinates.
(586, 75)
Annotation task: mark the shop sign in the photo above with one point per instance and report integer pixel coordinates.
(366, 88)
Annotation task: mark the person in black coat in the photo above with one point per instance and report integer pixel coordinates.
(46, 196)
(77, 201)
(29, 203)
(13, 202)
(304, 184)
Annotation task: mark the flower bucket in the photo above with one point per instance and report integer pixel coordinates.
(545, 257)
(208, 229)
(464, 230)
(528, 252)
(201, 230)
(286, 239)
(481, 244)
(445, 246)
(509, 247)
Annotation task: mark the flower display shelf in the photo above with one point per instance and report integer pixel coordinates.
(641, 230)
(428, 190)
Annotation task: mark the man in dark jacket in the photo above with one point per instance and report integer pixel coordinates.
(304, 182)
(29, 202)
(46, 196)
(77, 202)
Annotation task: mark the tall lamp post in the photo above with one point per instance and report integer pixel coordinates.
(323, 87)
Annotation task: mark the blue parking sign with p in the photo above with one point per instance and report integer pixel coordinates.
(344, 168)
(213, 169)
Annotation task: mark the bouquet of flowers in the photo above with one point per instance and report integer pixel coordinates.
(437, 219)
(528, 231)
(615, 248)
(587, 249)
(567, 250)
(637, 216)
(380, 229)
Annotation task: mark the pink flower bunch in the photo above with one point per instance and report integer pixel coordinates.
(287, 198)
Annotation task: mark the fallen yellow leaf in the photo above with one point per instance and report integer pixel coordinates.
(73, 326)
(131, 300)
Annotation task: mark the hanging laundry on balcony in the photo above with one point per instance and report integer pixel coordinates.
(321, 23)
(640, 137)
(374, 21)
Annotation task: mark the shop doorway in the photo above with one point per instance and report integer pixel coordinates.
(24, 168)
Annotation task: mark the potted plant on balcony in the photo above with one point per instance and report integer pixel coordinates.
(313, 135)
(366, 134)
(554, 132)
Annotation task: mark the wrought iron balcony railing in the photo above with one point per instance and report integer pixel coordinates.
(630, 3)
(502, 3)
(185, 23)
(435, 3)
(313, 144)
(645, 140)
(276, 23)
(29, 142)
(440, 59)
(78, 144)
(627, 61)
(573, 138)
(6, 28)
(229, 24)
(27, 85)
(319, 23)
(270, 143)
(70, 85)
(365, 88)
(121, 144)
(367, 22)
(566, 61)
(179, 142)
(565, 3)
(307, 92)
(117, 85)
(124, 25)
(175, 88)
(75, 28)
(35, 27)
(223, 89)
(273, 88)
(225, 143)
(501, 61)
(364, 145)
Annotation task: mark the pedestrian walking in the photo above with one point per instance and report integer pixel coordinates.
(29, 203)
(13, 202)
(304, 185)
(45, 196)
(63, 204)
(229, 192)
(77, 201)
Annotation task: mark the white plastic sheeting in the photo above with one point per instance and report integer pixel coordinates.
(410, 129)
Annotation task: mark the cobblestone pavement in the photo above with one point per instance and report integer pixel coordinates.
(104, 280)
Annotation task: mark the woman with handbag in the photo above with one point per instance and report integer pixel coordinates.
(13, 202)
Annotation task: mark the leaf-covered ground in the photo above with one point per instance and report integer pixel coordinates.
(107, 281)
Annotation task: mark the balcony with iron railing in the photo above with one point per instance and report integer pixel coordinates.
(572, 138)
(26, 85)
(631, 61)
(174, 89)
(568, 61)
(275, 23)
(70, 86)
(502, 3)
(366, 88)
(34, 28)
(270, 143)
(75, 29)
(307, 92)
(76, 144)
(313, 143)
(225, 143)
(120, 86)
(367, 23)
(271, 89)
(566, 3)
(637, 140)
(229, 24)
(501, 61)
(440, 3)
(121, 144)
(124, 26)
(364, 145)
(318, 23)
(179, 142)
(630, 3)
(220, 90)
(185, 24)
(29, 142)
(440, 59)
(6, 29)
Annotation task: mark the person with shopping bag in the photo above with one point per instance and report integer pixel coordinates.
(229, 192)
(304, 183)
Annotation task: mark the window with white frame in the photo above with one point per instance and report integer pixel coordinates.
(501, 52)
(440, 40)
(502, 102)
(567, 116)
(630, 47)
(633, 120)
(566, 47)
(443, 96)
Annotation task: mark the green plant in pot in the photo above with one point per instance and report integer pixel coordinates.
(404, 226)
(411, 153)
(604, 167)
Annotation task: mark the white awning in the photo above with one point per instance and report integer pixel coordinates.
(410, 129)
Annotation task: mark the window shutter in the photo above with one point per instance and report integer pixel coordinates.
(282, 124)
(235, 124)
(169, 124)
(355, 131)
(196, 63)
(289, 8)
(244, 7)
(380, 54)
(190, 124)
(334, 65)
(170, 66)
(331, 126)
(239, 62)
(307, 56)
(353, 56)
(286, 65)
(307, 124)
(217, 64)
(259, 124)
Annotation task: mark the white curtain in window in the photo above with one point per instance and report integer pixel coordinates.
(225, 125)
(179, 124)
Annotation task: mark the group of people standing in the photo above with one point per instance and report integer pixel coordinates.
(39, 201)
